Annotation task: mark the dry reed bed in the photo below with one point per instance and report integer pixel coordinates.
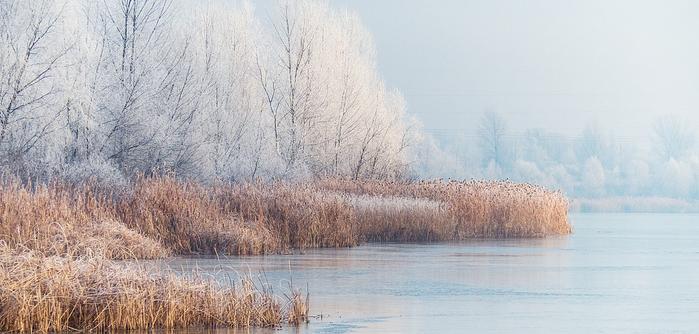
(160, 216)
(40, 293)
(56, 219)
(58, 242)
(189, 218)
(474, 209)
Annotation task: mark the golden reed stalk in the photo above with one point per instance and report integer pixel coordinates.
(43, 293)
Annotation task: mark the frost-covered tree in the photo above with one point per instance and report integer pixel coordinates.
(676, 178)
(636, 175)
(672, 137)
(130, 84)
(331, 113)
(111, 89)
(596, 142)
(593, 177)
(491, 135)
(430, 161)
(233, 123)
(32, 51)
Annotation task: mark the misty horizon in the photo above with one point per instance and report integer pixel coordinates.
(544, 64)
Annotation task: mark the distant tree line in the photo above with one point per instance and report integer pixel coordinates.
(592, 164)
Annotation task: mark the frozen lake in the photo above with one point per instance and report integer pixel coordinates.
(631, 273)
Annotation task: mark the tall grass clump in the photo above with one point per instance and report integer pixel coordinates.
(439, 210)
(300, 215)
(42, 293)
(189, 218)
(235, 219)
(55, 218)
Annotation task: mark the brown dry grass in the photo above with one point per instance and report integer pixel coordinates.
(57, 242)
(189, 218)
(438, 210)
(40, 293)
(299, 215)
(161, 216)
(54, 219)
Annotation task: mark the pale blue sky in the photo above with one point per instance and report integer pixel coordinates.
(541, 63)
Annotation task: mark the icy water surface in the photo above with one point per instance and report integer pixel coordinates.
(617, 273)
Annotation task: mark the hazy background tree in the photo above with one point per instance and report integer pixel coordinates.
(491, 136)
(673, 138)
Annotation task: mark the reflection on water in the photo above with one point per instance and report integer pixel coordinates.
(617, 273)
